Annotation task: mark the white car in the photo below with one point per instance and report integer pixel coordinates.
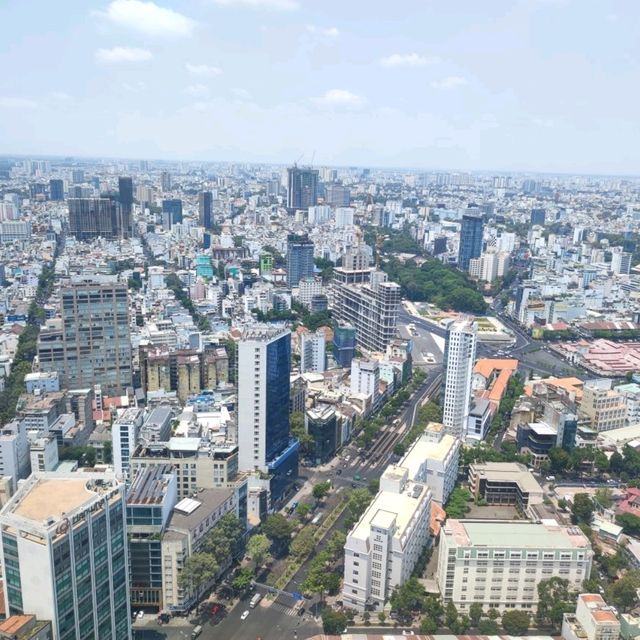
(408, 632)
(140, 615)
(245, 615)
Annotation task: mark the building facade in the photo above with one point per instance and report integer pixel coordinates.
(499, 563)
(470, 240)
(300, 263)
(302, 188)
(459, 358)
(64, 554)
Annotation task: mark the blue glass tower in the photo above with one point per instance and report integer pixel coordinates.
(470, 240)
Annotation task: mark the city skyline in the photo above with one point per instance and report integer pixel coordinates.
(523, 88)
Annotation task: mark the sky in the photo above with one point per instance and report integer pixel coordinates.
(520, 85)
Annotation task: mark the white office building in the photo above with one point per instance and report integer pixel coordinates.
(384, 545)
(459, 358)
(64, 554)
(593, 620)
(307, 288)
(365, 377)
(14, 452)
(312, 352)
(500, 563)
(433, 459)
(124, 438)
(44, 454)
(344, 217)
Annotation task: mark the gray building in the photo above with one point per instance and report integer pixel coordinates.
(299, 259)
(92, 343)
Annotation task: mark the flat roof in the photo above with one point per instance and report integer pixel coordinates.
(501, 533)
(56, 496)
(423, 450)
(507, 472)
(402, 506)
(210, 500)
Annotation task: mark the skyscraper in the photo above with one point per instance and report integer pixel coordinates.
(364, 299)
(299, 259)
(265, 444)
(91, 218)
(538, 217)
(302, 188)
(64, 554)
(459, 358)
(312, 352)
(91, 343)
(206, 209)
(165, 181)
(77, 176)
(171, 212)
(337, 195)
(125, 197)
(470, 240)
(56, 189)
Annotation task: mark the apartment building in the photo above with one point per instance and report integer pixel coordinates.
(385, 544)
(593, 620)
(433, 460)
(499, 563)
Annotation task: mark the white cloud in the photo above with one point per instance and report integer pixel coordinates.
(9, 102)
(451, 82)
(406, 60)
(203, 70)
(279, 5)
(197, 90)
(240, 93)
(340, 98)
(148, 18)
(329, 32)
(122, 54)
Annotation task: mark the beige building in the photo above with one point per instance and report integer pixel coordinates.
(500, 563)
(593, 620)
(605, 407)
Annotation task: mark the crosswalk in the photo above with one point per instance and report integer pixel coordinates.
(287, 611)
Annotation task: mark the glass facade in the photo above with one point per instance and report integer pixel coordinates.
(277, 396)
(470, 240)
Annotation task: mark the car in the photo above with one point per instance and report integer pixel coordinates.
(301, 611)
(357, 476)
(353, 485)
(245, 615)
(408, 632)
(140, 615)
(338, 472)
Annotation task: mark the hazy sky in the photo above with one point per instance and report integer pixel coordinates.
(548, 85)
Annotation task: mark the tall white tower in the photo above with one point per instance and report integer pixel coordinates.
(459, 358)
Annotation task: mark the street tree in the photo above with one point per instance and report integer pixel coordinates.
(555, 598)
(258, 549)
(243, 579)
(475, 613)
(198, 570)
(321, 489)
(623, 592)
(488, 627)
(515, 622)
(278, 529)
(303, 544)
(303, 509)
(451, 616)
(333, 622)
(407, 598)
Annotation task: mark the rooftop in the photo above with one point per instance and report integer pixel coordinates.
(501, 533)
(507, 472)
(150, 485)
(422, 450)
(209, 501)
(55, 496)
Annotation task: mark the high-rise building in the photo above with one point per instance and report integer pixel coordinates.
(299, 259)
(64, 554)
(499, 562)
(150, 501)
(337, 195)
(621, 261)
(364, 299)
(56, 189)
(171, 212)
(77, 176)
(322, 425)
(125, 197)
(312, 352)
(383, 547)
(470, 240)
(91, 218)
(91, 344)
(302, 188)
(538, 217)
(264, 365)
(206, 209)
(165, 181)
(124, 438)
(344, 344)
(459, 358)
